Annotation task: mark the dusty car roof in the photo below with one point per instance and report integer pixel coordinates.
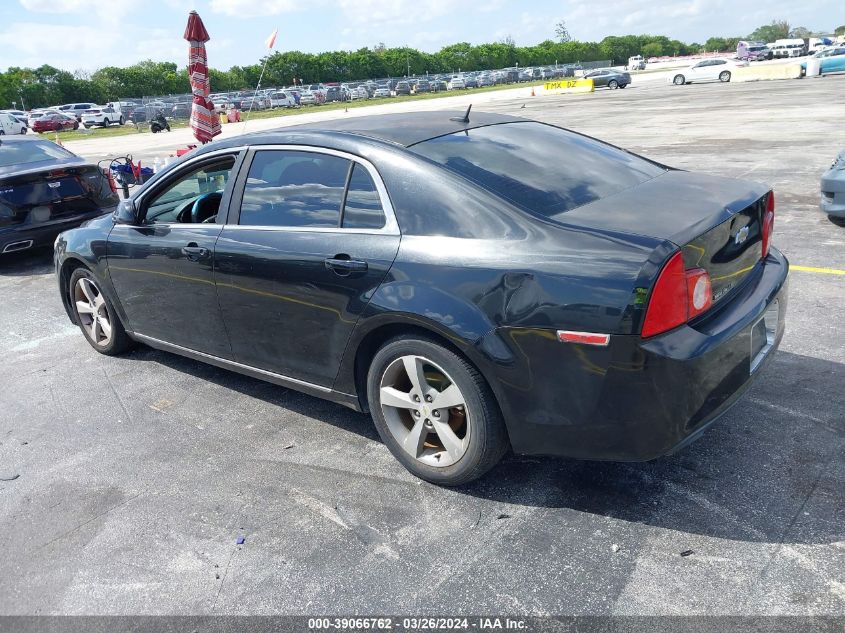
(405, 128)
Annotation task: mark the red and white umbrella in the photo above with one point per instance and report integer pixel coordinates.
(204, 121)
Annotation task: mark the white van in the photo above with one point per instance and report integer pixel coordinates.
(10, 125)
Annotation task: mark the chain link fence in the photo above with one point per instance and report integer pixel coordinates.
(177, 108)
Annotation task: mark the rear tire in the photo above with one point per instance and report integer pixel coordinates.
(448, 445)
(725, 76)
(838, 220)
(106, 122)
(679, 80)
(95, 315)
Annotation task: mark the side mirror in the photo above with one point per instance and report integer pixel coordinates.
(126, 213)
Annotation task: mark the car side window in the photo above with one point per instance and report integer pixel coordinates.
(194, 197)
(289, 188)
(363, 208)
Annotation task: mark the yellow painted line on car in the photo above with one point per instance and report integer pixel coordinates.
(822, 271)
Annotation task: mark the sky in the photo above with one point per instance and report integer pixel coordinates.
(88, 34)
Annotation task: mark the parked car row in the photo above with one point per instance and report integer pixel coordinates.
(70, 116)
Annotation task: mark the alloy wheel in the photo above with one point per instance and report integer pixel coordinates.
(425, 411)
(93, 312)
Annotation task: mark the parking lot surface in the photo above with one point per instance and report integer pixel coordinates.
(136, 475)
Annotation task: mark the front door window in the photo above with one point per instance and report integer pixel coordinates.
(193, 198)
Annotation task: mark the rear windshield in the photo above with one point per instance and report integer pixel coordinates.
(24, 152)
(541, 168)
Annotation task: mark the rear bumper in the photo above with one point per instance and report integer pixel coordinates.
(42, 234)
(833, 192)
(637, 400)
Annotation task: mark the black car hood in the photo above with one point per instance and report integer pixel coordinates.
(677, 206)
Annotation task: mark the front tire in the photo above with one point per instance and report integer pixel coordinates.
(434, 411)
(95, 315)
(679, 80)
(613, 84)
(725, 76)
(838, 220)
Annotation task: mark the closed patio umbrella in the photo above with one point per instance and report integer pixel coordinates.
(204, 121)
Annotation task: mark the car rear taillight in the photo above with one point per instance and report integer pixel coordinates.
(678, 296)
(768, 223)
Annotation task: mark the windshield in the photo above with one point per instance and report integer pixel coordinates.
(25, 152)
(541, 168)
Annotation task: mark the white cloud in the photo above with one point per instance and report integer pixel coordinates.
(256, 8)
(63, 46)
(54, 6)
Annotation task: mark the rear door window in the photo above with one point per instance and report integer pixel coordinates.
(289, 188)
(541, 168)
(363, 205)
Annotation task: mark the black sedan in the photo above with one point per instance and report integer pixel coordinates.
(608, 78)
(476, 283)
(44, 190)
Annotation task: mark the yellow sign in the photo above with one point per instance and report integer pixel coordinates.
(569, 86)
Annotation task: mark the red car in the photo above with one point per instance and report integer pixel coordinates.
(54, 123)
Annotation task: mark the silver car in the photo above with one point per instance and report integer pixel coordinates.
(833, 191)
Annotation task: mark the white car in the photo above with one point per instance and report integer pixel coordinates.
(103, 116)
(10, 125)
(457, 83)
(714, 69)
(75, 109)
(282, 99)
(381, 93)
(358, 93)
(308, 98)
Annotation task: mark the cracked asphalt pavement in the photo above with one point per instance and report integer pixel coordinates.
(137, 475)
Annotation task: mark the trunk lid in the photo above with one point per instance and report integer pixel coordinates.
(53, 195)
(717, 222)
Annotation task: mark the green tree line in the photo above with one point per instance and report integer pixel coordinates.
(46, 85)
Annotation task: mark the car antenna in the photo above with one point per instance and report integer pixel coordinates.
(464, 118)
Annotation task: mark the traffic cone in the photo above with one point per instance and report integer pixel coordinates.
(532, 92)
(58, 142)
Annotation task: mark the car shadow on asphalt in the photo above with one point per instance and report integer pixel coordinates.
(770, 470)
(35, 261)
(300, 403)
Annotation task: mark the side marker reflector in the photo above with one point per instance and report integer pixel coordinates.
(585, 338)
